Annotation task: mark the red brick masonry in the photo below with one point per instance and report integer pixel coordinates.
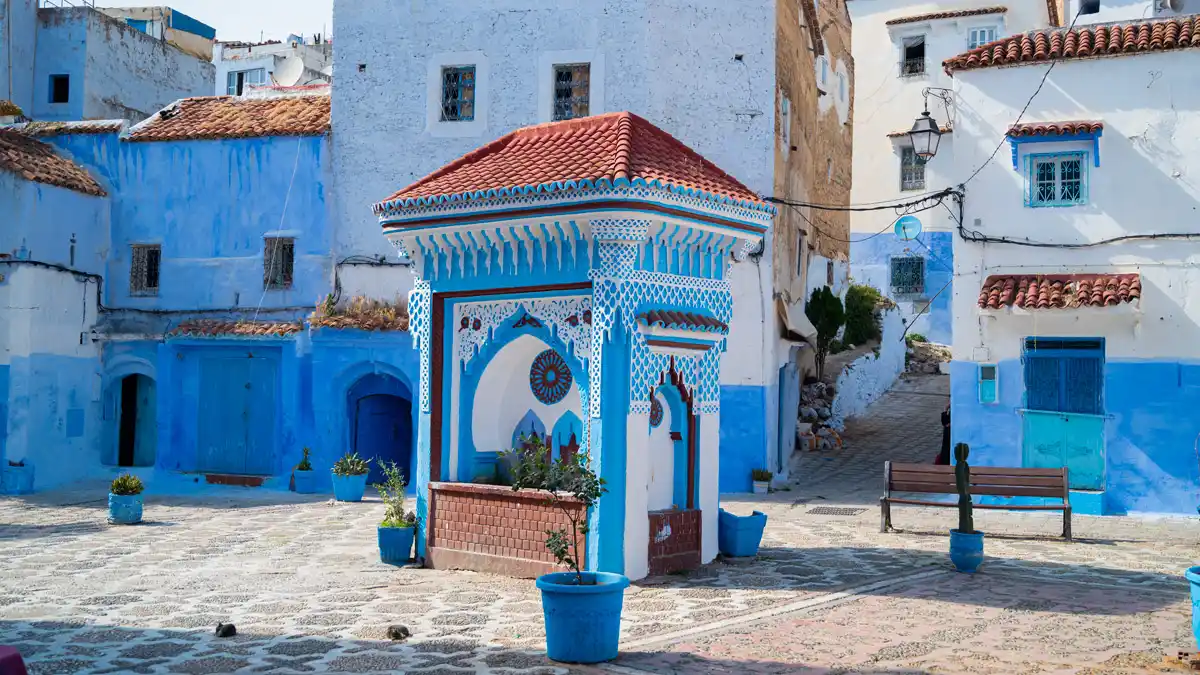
(678, 550)
(492, 528)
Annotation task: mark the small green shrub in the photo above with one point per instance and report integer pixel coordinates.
(761, 475)
(836, 346)
(915, 337)
(127, 485)
(391, 492)
(351, 465)
(305, 464)
(862, 315)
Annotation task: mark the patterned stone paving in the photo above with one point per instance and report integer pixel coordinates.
(301, 579)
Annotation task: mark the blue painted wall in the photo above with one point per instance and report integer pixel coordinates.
(744, 432)
(870, 264)
(61, 50)
(52, 416)
(3, 411)
(19, 24)
(40, 221)
(1150, 433)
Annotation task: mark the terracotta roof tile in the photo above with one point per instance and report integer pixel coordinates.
(904, 132)
(210, 117)
(49, 129)
(579, 153)
(1052, 44)
(9, 109)
(1055, 128)
(684, 321)
(225, 328)
(34, 160)
(1062, 291)
(951, 14)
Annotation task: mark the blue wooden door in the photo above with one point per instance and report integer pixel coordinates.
(1064, 418)
(236, 420)
(383, 432)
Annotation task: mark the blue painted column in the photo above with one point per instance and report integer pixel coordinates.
(606, 534)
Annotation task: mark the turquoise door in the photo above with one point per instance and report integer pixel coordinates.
(1064, 417)
(236, 417)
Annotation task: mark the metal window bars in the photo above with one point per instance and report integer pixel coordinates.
(458, 94)
(279, 255)
(145, 264)
(572, 88)
(1058, 179)
(908, 275)
(912, 170)
(62, 4)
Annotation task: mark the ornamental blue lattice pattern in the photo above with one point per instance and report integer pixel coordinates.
(549, 377)
(420, 304)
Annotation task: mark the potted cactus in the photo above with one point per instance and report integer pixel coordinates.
(350, 477)
(966, 545)
(125, 500)
(398, 527)
(581, 610)
(303, 476)
(762, 481)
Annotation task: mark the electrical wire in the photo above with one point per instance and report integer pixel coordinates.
(924, 309)
(881, 206)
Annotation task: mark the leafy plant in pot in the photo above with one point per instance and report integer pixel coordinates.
(125, 500)
(398, 527)
(582, 610)
(303, 476)
(350, 477)
(762, 481)
(966, 544)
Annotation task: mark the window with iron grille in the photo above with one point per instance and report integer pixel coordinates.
(912, 61)
(1064, 374)
(143, 272)
(458, 94)
(1056, 179)
(908, 275)
(572, 86)
(912, 170)
(279, 256)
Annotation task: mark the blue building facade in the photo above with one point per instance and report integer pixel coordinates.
(917, 274)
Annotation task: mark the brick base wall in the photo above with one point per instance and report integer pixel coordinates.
(492, 528)
(680, 549)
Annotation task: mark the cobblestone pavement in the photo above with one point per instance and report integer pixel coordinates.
(301, 579)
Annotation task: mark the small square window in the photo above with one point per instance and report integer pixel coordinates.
(912, 61)
(458, 94)
(144, 269)
(60, 88)
(572, 89)
(785, 122)
(800, 254)
(279, 256)
(1089, 7)
(829, 273)
(841, 87)
(987, 383)
(908, 275)
(980, 36)
(1056, 179)
(912, 170)
(824, 70)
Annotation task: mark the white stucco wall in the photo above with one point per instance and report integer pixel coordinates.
(869, 376)
(1147, 182)
(662, 461)
(886, 102)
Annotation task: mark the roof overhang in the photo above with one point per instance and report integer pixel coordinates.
(794, 322)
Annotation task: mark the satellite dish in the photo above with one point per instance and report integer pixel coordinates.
(908, 227)
(289, 71)
(1174, 5)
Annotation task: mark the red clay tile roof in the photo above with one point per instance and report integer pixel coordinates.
(210, 117)
(1082, 41)
(223, 328)
(1059, 291)
(1055, 128)
(33, 160)
(576, 154)
(47, 129)
(683, 321)
(952, 14)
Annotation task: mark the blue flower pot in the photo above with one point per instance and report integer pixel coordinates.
(16, 480)
(396, 544)
(306, 482)
(739, 536)
(583, 622)
(1193, 577)
(124, 509)
(349, 488)
(966, 551)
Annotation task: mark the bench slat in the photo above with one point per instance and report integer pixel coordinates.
(996, 490)
(1015, 507)
(1024, 481)
(977, 470)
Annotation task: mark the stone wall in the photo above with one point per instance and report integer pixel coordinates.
(492, 528)
(674, 541)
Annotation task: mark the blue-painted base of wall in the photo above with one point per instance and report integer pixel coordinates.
(1085, 502)
(743, 441)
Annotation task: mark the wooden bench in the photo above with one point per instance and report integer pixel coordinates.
(985, 480)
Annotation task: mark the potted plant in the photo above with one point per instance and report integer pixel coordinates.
(303, 476)
(16, 478)
(581, 610)
(350, 477)
(739, 536)
(398, 527)
(762, 481)
(125, 500)
(966, 545)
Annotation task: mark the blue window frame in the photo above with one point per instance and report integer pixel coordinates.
(1064, 375)
(1056, 179)
(458, 94)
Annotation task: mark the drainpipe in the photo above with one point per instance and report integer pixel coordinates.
(8, 40)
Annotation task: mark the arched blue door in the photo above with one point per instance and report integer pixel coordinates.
(380, 418)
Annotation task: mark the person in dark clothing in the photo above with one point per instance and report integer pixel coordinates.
(944, 456)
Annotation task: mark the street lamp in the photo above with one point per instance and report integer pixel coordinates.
(925, 136)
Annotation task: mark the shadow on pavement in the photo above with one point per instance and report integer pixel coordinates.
(662, 663)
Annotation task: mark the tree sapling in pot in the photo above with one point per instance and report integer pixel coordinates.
(398, 528)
